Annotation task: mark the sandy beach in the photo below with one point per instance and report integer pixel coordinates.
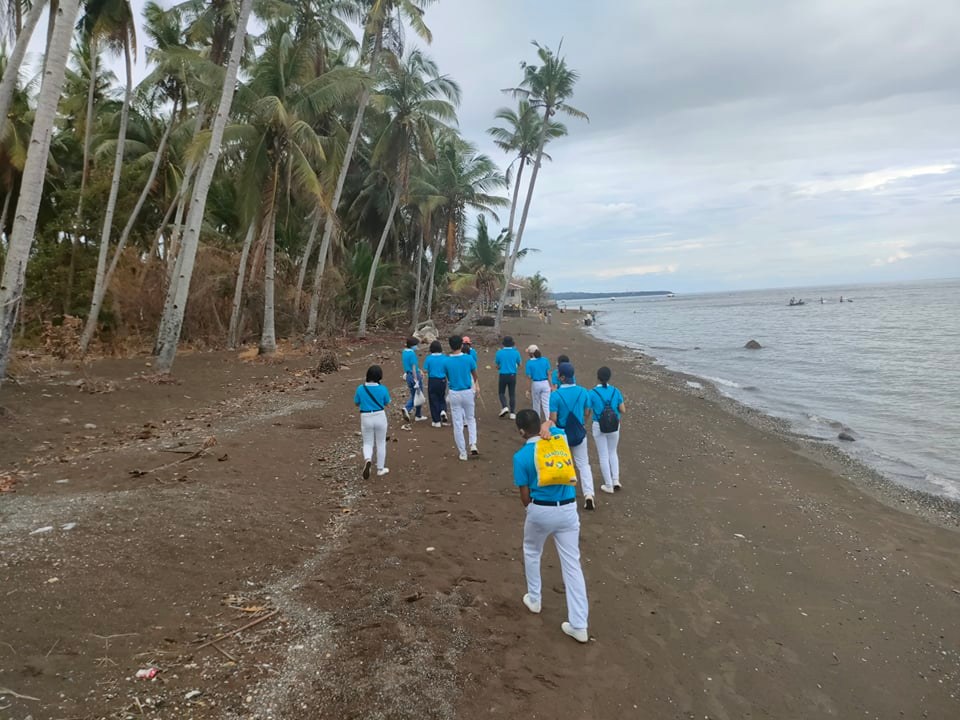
(737, 575)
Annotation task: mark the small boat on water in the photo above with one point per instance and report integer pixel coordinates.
(794, 302)
(670, 295)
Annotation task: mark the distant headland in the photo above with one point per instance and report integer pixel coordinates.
(597, 296)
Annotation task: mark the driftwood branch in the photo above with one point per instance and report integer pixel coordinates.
(238, 630)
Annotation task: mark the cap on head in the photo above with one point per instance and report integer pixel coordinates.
(466, 340)
(565, 370)
(531, 349)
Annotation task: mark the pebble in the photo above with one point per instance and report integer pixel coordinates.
(431, 549)
(89, 426)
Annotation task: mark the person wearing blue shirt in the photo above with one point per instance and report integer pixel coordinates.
(508, 362)
(604, 396)
(555, 377)
(372, 398)
(411, 373)
(538, 370)
(550, 511)
(461, 373)
(433, 366)
(468, 349)
(573, 400)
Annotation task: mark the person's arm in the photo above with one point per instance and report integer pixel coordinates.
(546, 429)
(521, 478)
(525, 495)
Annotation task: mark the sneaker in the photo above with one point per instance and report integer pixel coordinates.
(513, 416)
(405, 413)
(443, 415)
(463, 457)
(366, 470)
(579, 634)
(435, 425)
(504, 411)
(588, 505)
(617, 486)
(383, 471)
(420, 419)
(473, 450)
(607, 488)
(532, 606)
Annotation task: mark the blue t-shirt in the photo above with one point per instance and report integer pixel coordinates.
(459, 371)
(362, 397)
(538, 368)
(410, 362)
(472, 353)
(508, 360)
(433, 364)
(600, 396)
(569, 399)
(525, 474)
(555, 379)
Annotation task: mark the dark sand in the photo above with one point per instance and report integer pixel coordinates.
(734, 577)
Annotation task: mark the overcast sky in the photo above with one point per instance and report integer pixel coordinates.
(731, 143)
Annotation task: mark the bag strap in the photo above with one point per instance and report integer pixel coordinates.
(375, 401)
(606, 403)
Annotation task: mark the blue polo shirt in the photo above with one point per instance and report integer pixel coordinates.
(525, 474)
(410, 362)
(362, 397)
(600, 396)
(433, 364)
(555, 379)
(472, 353)
(508, 360)
(538, 369)
(569, 399)
(459, 371)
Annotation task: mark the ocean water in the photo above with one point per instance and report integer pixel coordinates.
(886, 366)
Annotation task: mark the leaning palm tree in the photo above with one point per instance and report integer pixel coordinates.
(34, 171)
(417, 100)
(24, 28)
(546, 87)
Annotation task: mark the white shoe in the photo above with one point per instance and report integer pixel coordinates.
(420, 419)
(473, 450)
(607, 489)
(617, 485)
(579, 634)
(588, 503)
(405, 413)
(504, 411)
(383, 471)
(463, 457)
(443, 415)
(532, 606)
(513, 416)
(435, 425)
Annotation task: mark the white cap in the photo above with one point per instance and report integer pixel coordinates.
(532, 349)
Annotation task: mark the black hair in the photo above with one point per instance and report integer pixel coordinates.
(604, 375)
(528, 421)
(562, 358)
(374, 374)
(537, 354)
(456, 342)
(412, 342)
(436, 347)
(507, 341)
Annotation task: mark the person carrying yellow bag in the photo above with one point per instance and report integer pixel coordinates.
(543, 470)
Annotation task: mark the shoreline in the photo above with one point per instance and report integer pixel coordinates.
(938, 509)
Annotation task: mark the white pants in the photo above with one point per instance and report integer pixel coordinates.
(373, 428)
(582, 460)
(540, 395)
(563, 523)
(607, 453)
(463, 406)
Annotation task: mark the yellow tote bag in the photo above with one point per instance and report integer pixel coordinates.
(554, 462)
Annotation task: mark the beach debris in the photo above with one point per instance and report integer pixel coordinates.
(431, 549)
(42, 530)
(7, 482)
(89, 426)
(68, 526)
(427, 332)
(147, 673)
(327, 362)
(192, 694)
(846, 437)
(738, 535)
(752, 345)
(12, 693)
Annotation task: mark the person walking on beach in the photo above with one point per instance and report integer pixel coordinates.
(468, 349)
(550, 511)
(555, 376)
(508, 362)
(538, 370)
(461, 373)
(436, 384)
(411, 373)
(607, 408)
(570, 410)
(372, 398)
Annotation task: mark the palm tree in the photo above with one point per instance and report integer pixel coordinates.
(34, 171)
(11, 72)
(170, 330)
(538, 289)
(416, 100)
(381, 18)
(546, 86)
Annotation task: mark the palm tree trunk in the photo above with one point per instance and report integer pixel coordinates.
(516, 195)
(191, 238)
(11, 74)
(307, 252)
(451, 238)
(183, 195)
(3, 214)
(362, 331)
(99, 293)
(34, 172)
(331, 219)
(512, 259)
(233, 335)
(154, 253)
(431, 282)
(268, 336)
(508, 276)
(418, 298)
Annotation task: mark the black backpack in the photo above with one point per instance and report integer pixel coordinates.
(608, 420)
(576, 432)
